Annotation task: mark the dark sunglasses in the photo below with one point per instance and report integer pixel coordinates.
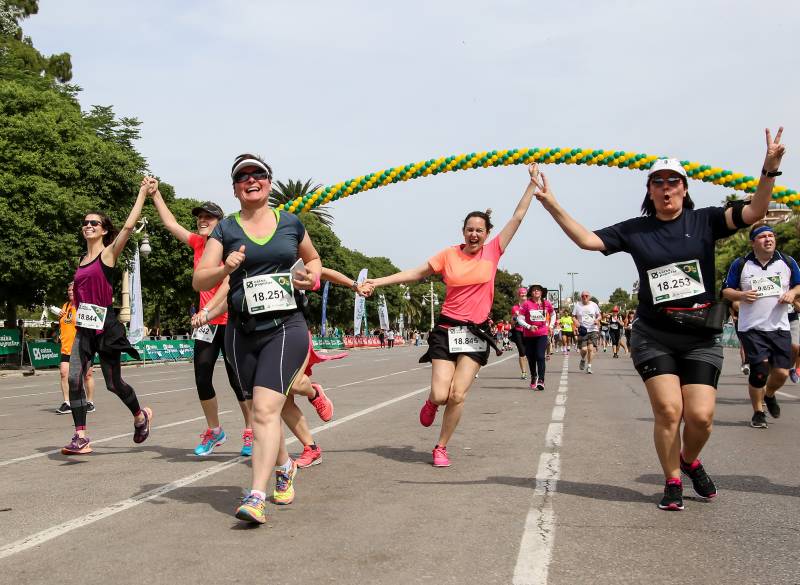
(671, 181)
(257, 175)
(91, 222)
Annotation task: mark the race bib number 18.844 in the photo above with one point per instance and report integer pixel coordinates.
(90, 316)
(675, 281)
(269, 292)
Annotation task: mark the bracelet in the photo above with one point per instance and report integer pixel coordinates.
(767, 173)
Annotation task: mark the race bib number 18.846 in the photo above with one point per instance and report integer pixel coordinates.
(675, 281)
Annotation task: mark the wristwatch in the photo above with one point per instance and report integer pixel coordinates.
(767, 173)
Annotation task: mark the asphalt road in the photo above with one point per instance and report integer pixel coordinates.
(557, 487)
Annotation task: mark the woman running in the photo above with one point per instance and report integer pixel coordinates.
(459, 343)
(615, 326)
(268, 337)
(567, 331)
(516, 332)
(675, 342)
(210, 336)
(97, 330)
(535, 316)
(629, 319)
(66, 334)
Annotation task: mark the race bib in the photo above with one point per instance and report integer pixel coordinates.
(269, 292)
(675, 281)
(614, 326)
(461, 340)
(205, 333)
(536, 315)
(90, 316)
(766, 286)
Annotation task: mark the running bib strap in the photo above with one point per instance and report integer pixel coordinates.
(675, 281)
(205, 333)
(90, 316)
(766, 286)
(269, 292)
(461, 340)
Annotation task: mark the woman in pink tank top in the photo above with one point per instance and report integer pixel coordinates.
(460, 341)
(97, 330)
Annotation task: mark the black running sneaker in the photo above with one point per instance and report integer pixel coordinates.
(90, 406)
(63, 409)
(759, 420)
(673, 497)
(702, 484)
(772, 406)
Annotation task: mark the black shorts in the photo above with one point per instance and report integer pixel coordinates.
(772, 346)
(568, 334)
(64, 358)
(270, 359)
(516, 337)
(440, 348)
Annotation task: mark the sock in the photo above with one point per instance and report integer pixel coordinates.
(262, 495)
(286, 467)
(313, 446)
(674, 481)
(694, 464)
(66, 402)
(217, 430)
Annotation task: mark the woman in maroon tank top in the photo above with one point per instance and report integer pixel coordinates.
(97, 329)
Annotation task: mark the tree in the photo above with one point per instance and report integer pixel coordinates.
(286, 192)
(506, 285)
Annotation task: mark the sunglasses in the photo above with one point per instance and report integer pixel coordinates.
(671, 181)
(257, 175)
(91, 222)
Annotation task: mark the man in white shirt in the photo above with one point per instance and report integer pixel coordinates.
(587, 323)
(765, 282)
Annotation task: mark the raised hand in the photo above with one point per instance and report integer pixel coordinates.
(542, 186)
(234, 260)
(366, 288)
(775, 150)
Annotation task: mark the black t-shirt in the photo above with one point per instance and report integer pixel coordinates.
(270, 255)
(653, 243)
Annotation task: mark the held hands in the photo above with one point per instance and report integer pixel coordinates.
(234, 260)
(541, 186)
(199, 319)
(149, 186)
(366, 288)
(775, 151)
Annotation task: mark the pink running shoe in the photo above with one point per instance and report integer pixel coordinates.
(322, 404)
(440, 458)
(428, 413)
(310, 456)
(142, 431)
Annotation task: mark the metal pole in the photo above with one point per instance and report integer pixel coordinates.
(572, 274)
(431, 301)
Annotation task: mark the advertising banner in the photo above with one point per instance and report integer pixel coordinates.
(9, 341)
(360, 305)
(44, 354)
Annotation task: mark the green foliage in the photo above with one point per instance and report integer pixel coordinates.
(286, 192)
(506, 285)
(18, 52)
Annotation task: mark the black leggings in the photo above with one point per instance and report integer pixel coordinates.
(84, 349)
(205, 358)
(534, 350)
(516, 337)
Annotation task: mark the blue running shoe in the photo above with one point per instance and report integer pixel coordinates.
(247, 443)
(209, 441)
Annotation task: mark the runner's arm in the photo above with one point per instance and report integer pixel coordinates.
(410, 275)
(759, 204)
(508, 231)
(220, 297)
(209, 271)
(584, 238)
(313, 264)
(203, 318)
(110, 253)
(169, 220)
(337, 277)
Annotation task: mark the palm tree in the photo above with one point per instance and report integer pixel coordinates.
(286, 192)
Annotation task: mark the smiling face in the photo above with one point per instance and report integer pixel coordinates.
(667, 190)
(70, 293)
(536, 295)
(252, 192)
(92, 229)
(206, 223)
(475, 234)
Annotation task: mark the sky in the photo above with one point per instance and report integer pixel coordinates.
(333, 90)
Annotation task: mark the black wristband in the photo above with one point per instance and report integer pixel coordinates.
(767, 173)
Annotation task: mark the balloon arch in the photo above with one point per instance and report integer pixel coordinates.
(524, 156)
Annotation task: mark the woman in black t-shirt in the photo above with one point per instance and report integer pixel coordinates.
(672, 245)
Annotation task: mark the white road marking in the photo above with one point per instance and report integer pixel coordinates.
(57, 390)
(59, 530)
(536, 546)
(106, 440)
(786, 394)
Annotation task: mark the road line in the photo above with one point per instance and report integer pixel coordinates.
(105, 440)
(536, 545)
(786, 394)
(92, 517)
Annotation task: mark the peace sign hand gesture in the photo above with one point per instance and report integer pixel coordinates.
(775, 150)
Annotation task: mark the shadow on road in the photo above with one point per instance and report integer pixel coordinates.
(405, 454)
(735, 483)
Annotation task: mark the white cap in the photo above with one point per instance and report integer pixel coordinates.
(249, 162)
(667, 164)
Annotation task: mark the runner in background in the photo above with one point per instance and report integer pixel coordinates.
(66, 334)
(209, 338)
(615, 325)
(535, 317)
(516, 331)
(567, 331)
(587, 322)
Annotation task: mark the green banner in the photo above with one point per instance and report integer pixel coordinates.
(328, 342)
(44, 354)
(9, 341)
(161, 350)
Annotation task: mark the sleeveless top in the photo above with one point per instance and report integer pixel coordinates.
(93, 284)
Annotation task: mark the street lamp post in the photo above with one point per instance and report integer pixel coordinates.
(144, 250)
(572, 275)
(433, 300)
